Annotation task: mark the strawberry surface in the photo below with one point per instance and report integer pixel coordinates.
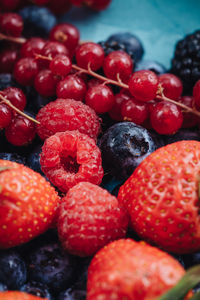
(162, 197)
(13, 295)
(129, 270)
(28, 204)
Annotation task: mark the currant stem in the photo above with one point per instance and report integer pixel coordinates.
(12, 39)
(6, 101)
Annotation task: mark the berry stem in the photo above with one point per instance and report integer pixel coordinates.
(12, 39)
(6, 101)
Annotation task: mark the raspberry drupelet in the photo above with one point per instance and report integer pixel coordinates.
(71, 157)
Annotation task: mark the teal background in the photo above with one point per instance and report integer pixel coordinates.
(158, 23)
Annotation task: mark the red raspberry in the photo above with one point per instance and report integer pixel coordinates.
(100, 219)
(71, 157)
(67, 114)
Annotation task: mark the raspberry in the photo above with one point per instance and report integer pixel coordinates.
(71, 157)
(67, 114)
(101, 219)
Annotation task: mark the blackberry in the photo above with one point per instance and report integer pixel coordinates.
(111, 46)
(186, 60)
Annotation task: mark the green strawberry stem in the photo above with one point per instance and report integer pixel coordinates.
(196, 296)
(187, 282)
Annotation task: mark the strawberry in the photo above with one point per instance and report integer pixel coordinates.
(28, 204)
(12, 295)
(89, 218)
(162, 197)
(131, 270)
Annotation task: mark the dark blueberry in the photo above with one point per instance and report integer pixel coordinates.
(38, 21)
(33, 160)
(197, 290)
(158, 139)
(71, 294)
(192, 260)
(130, 41)
(6, 80)
(3, 287)
(12, 269)
(124, 146)
(182, 134)
(34, 100)
(49, 265)
(36, 288)
(13, 157)
(151, 65)
(186, 60)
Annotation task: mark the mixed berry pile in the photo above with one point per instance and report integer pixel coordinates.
(99, 156)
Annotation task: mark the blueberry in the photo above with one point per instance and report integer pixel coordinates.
(12, 269)
(13, 157)
(33, 160)
(49, 265)
(71, 294)
(6, 80)
(130, 41)
(182, 134)
(192, 260)
(38, 21)
(124, 146)
(3, 287)
(151, 65)
(34, 100)
(36, 288)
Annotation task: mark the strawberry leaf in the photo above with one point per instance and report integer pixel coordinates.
(187, 282)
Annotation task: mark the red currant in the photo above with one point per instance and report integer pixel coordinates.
(41, 2)
(72, 87)
(77, 2)
(93, 82)
(166, 118)
(189, 119)
(11, 24)
(51, 49)
(196, 93)
(143, 85)
(25, 71)
(100, 98)
(5, 116)
(98, 4)
(9, 5)
(64, 6)
(118, 65)
(90, 54)
(60, 65)
(32, 47)
(45, 83)
(21, 131)
(172, 85)
(67, 34)
(15, 96)
(134, 111)
(115, 112)
(8, 58)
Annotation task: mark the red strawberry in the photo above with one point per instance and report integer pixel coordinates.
(28, 204)
(129, 270)
(89, 218)
(11, 295)
(162, 196)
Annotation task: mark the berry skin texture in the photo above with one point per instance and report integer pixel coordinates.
(162, 193)
(60, 65)
(72, 87)
(16, 97)
(71, 157)
(11, 24)
(32, 47)
(5, 116)
(143, 85)
(8, 58)
(90, 54)
(29, 201)
(25, 71)
(15, 295)
(100, 98)
(172, 85)
(166, 118)
(45, 83)
(189, 119)
(196, 93)
(21, 131)
(126, 269)
(118, 64)
(101, 219)
(67, 114)
(134, 111)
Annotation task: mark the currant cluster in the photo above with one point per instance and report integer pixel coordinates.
(56, 6)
